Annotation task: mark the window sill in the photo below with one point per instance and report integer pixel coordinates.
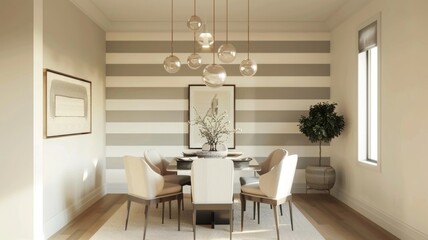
(369, 165)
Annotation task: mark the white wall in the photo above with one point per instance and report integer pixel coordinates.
(74, 165)
(395, 197)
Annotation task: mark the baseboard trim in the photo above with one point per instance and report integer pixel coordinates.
(61, 219)
(298, 188)
(117, 188)
(386, 221)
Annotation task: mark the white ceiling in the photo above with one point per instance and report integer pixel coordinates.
(265, 15)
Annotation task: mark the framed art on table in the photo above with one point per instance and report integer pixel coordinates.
(203, 99)
(68, 105)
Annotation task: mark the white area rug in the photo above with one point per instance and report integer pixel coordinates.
(114, 227)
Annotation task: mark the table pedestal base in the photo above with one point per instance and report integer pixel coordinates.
(206, 217)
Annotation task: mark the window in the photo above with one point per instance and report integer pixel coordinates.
(368, 93)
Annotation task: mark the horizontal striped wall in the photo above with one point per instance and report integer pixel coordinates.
(146, 107)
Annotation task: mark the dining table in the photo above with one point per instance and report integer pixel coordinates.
(243, 165)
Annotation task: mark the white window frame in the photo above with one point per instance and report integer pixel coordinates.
(363, 109)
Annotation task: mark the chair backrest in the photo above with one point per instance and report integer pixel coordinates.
(156, 161)
(272, 160)
(212, 181)
(143, 182)
(277, 182)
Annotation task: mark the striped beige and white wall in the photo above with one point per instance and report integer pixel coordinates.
(147, 107)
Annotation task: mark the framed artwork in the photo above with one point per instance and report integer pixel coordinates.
(203, 99)
(67, 105)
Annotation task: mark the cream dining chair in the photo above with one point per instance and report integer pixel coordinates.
(272, 160)
(274, 188)
(212, 187)
(148, 187)
(159, 164)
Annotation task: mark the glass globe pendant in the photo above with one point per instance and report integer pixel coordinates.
(172, 64)
(194, 61)
(214, 75)
(205, 39)
(194, 23)
(248, 67)
(227, 52)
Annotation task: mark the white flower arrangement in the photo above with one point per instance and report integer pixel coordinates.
(214, 127)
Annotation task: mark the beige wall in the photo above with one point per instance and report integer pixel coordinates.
(147, 108)
(20, 84)
(74, 165)
(396, 196)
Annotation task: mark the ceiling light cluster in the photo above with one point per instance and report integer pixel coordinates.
(213, 75)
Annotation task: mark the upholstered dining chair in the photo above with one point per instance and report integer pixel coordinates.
(148, 187)
(274, 188)
(159, 164)
(272, 160)
(212, 187)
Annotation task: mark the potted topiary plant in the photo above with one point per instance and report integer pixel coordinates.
(321, 125)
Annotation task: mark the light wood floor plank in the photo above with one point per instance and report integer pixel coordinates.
(332, 218)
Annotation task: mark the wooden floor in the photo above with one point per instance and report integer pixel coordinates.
(332, 218)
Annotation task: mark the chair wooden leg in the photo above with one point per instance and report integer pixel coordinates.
(258, 212)
(242, 211)
(231, 221)
(127, 214)
(291, 214)
(170, 209)
(182, 204)
(280, 209)
(179, 201)
(146, 219)
(275, 213)
(194, 223)
(163, 211)
(254, 210)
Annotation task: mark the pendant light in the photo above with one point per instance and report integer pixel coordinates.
(214, 75)
(205, 39)
(194, 61)
(227, 52)
(172, 63)
(194, 23)
(248, 66)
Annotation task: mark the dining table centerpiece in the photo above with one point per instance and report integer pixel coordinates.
(215, 128)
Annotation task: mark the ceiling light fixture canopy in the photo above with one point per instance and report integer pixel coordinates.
(227, 52)
(214, 74)
(248, 66)
(172, 63)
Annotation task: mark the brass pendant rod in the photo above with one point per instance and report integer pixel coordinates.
(172, 27)
(248, 33)
(227, 21)
(214, 31)
(194, 32)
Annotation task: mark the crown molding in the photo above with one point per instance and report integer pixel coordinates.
(90, 10)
